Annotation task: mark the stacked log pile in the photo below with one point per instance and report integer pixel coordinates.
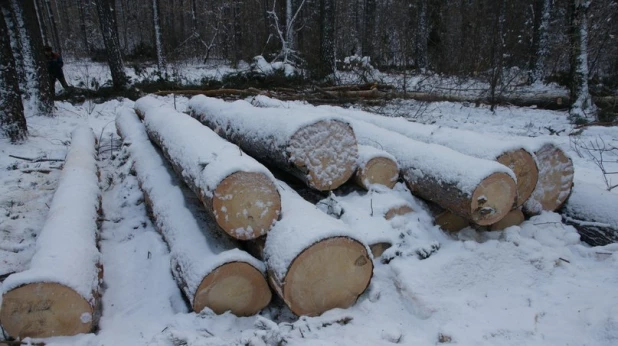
(59, 294)
(375, 166)
(321, 151)
(237, 191)
(208, 266)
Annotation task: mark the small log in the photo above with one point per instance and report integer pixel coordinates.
(478, 190)
(214, 92)
(513, 154)
(514, 218)
(556, 174)
(447, 220)
(593, 211)
(320, 151)
(207, 265)
(315, 262)
(235, 189)
(375, 167)
(59, 294)
(378, 249)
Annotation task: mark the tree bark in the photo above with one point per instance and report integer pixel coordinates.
(369, 27)
(540, 39)
(579, 59)
(422, 35)
(112, 45)
(156, 15)
(38, 82)
(54, 26)
(12, 120)
(327, 38)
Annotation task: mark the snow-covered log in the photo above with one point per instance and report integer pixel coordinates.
(315, 262)
(479, 190)
(322, 151)
(593, 211)
(375, 166)
(556, 173)
(514, 218)
(236, 190)
(515, 155)
(208, 266)
(59, 293)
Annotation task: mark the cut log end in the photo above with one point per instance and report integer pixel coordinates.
(326, 151)
(246, 204)
(379, 170)
(493, 199)
(237, 287)
(329, 274)
(514, 218)
(522, 163)
(450, 222)
(41, 310)
(555, 180)
(378, 249)
(397, 211)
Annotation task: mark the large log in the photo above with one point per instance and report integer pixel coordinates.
(59, 294)
(236, 190)
(479, 190)
(207, 265)
(315, 262)
(375, 166)
(514, 218)
(593, 211)
(556, 174)
(513, 154)
(321, 151)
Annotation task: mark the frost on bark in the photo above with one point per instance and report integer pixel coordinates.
(156, 15)
(582, 106)
(37, 81)
(112, 44)
(327, 38)
(12, 120)
(540, 39)
(422, 35)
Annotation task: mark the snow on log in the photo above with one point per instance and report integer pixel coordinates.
(593, 211)
(479, 190)
(236, 190)
(211, 271)
(315, 262)
(59, 294)
(321, 151)
(513, 154)
(514, 218)
(375, 166)
(555, 179)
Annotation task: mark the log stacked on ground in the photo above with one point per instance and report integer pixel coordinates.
(322, 151)
(448, 221)
(375, 166)
(593, 211)
(236, 190)
(556, 174)
(513, 154)
(211, 271)
(59, 294)
(479, 190)
(315, 262)
(514, 218)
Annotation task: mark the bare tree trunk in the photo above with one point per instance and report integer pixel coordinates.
(38, 83)
(12, 120)
(82, 25)
(54, 28)
(370, 23)
(540, 39)
(579, 59)
(327, 38)
(497, 51)
(156, 14)
(422, 34)
(41, 22)
(112, 44)
(237, 33)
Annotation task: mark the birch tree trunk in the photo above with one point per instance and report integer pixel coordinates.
(579, 59)
(540, 39)
(37, 81)
(156, 13)
(12, 120)
(112, 44)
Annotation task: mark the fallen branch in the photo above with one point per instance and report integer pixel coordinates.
(36, 159)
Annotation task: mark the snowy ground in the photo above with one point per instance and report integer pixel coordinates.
(529, 285)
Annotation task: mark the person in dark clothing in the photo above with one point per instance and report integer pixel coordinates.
(54, 67)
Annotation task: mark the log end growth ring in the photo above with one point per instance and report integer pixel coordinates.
(555, 180)
(522, 163)
(246, 204)
(329, 274)
(493, 199)
(41, 310)
(379, 170)
(327, 151)
(236, 287)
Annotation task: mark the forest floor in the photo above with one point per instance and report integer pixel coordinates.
(534, 284)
